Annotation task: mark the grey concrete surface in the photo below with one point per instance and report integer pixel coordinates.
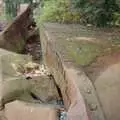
(22, 111)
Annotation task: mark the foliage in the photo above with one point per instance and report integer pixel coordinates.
(3, 17)
(116, 19)
(56, 11)
(97, 12)
(11, 7)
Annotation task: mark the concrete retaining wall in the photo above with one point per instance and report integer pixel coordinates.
(78, 92)
(72, 97)
(14, 35)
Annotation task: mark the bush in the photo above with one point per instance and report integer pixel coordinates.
(11, 7)
(56, 11)
(116, 19)
(99, 13)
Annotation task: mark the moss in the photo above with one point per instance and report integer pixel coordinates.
(3, 17)
(115, 40)
(18, 47)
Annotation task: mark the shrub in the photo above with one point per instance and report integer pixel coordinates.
(11, 7)
(116, 19)
(97, 12)
(56, 11)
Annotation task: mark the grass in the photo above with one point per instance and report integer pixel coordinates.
(3, 17)
(115, 40)
(84, 53)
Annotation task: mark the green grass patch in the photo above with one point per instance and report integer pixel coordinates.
(3, 17)
(84, 53)
(115, 40)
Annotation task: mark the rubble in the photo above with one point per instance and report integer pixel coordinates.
(31, 69)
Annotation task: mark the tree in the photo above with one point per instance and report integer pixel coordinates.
(97, 12)
(12, 5)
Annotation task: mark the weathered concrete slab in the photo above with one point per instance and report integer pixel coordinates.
(78, 92)
(108, 89)
(15, 86)
(22, 111)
